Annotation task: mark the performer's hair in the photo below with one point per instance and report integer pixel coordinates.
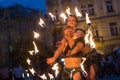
(72, 16)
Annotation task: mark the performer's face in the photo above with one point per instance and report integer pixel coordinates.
(71, 22)
(69, 33)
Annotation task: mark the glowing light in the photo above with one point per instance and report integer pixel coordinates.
(41, 23)
(43, 77)
(68, 11)
(56, 68)
(51, 76)
(32, 71)
(78, 14)
(89, 39)
(31, 52)
(36, 35)
(28, 61)
(63, 16)
(52, 16)
(87, 19)
(35, 48)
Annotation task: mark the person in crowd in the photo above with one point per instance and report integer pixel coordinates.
(17, 72)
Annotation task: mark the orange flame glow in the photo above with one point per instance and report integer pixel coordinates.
(28, 61)
(63, 16)
(78, 14)
(36, 35)
(89, 39)
(51, 76)
(35, 48)
(68, 11)
(87, 19)
(52, 16)
(56, 68)
(31, 52)
(32, 71)
(43, 77)
(41, 23)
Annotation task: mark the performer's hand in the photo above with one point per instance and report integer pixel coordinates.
(50, 60)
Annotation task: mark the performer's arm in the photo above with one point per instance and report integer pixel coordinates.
(60, 49)
(77, 48)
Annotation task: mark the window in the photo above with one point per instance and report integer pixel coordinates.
(109, 6)
(91, 9)
(84, 10)
(113, 28)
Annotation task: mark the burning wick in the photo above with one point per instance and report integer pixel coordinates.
(43, 77)
(78, 14)
(87, 19)
(28, 61)
(55, 67)
(41, 23)
(36, 35)
(63, 16)
(52, 16)
(68, 11)
(51, 76)
(35, 47)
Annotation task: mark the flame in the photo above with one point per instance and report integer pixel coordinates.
(43, 77)
(78, 14)
(63, 16)
(87, 19)
(36, 35)
(52, 16)
(82, 67)
(51, 76)
(31, 52)
(28, 61)
(56, 68)
(28, 75)
(32, 71)
(89, 39)
(41, 23)
(68, 11)
(35, 48)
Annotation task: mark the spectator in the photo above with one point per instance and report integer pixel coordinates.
(17, 72)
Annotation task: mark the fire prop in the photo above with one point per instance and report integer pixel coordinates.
(34, 53)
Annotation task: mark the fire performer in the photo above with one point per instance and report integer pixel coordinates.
(72, 46)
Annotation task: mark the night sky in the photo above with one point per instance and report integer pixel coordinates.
(34, 4)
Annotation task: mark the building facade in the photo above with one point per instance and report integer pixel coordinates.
(104, 16)
(17, 24)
